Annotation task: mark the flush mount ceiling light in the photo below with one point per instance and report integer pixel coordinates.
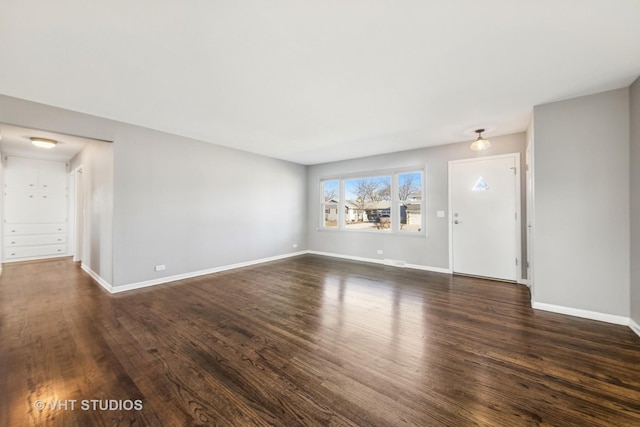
(43, 142)
(480, 143)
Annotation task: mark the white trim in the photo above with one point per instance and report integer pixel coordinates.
(603, 317)
(523, 282)
(530, 205)
(382, 262)
(71, 216)
(394, 202)
(166, 279)
(349, 257)
(586, 314)
(428, 268)
(34, 258)
(518, 202)
(634, 327)
(95, 276)
(78, 214)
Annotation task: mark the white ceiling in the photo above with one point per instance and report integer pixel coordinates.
(16, 141)
(317, 80)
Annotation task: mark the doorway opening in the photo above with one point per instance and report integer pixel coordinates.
(43, 195)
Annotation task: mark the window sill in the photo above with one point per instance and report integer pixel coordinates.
(418, 234)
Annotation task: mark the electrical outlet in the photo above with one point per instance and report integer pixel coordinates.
(160, 267)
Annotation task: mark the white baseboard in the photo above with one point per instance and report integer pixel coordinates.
(634, 327)
(382, 262)
(167, 279)
(106, 285)
(349, 257)
(428, 268)
(586, 314)
(34, 258)
(593, 315)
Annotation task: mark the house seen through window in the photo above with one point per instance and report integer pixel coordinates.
(410, 201)
(330, 190)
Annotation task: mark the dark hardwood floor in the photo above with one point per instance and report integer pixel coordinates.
(304, 341)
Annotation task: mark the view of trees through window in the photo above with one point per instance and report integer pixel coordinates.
(368, 203)
(410, 201)
(330, 191)
(374, 203)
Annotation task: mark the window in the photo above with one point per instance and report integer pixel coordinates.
(330, 197)
(367, 203)
(382, 202)
(410, 201)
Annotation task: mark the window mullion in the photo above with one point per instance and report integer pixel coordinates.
(395, 210)
(341, 205)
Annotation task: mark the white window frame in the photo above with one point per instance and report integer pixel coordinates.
(398, 202)
(394, 207)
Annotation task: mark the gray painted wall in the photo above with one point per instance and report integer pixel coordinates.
(184, 203)
(635, 200)
(192, 205)
(97, 188)
(581, 235)
(430, 251)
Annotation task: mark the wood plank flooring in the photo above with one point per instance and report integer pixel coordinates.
(307, 341)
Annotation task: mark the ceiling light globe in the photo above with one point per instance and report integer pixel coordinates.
(480, 144)
(43, 142)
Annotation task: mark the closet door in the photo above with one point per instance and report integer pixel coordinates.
(35, 208)
(52, 208)
(21, 207)
(52, 176)
(20, 173)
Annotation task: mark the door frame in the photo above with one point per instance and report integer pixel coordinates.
(530, 197)
(517, 209)
(78, 231)
(71, 215)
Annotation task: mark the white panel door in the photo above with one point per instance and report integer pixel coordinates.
(483, 211)
(21, 207)
(52, 208)
(52, 176)
(21, 173)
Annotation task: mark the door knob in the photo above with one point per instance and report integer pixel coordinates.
(457, 222)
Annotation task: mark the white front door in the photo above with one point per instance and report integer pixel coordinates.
(484, 198)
